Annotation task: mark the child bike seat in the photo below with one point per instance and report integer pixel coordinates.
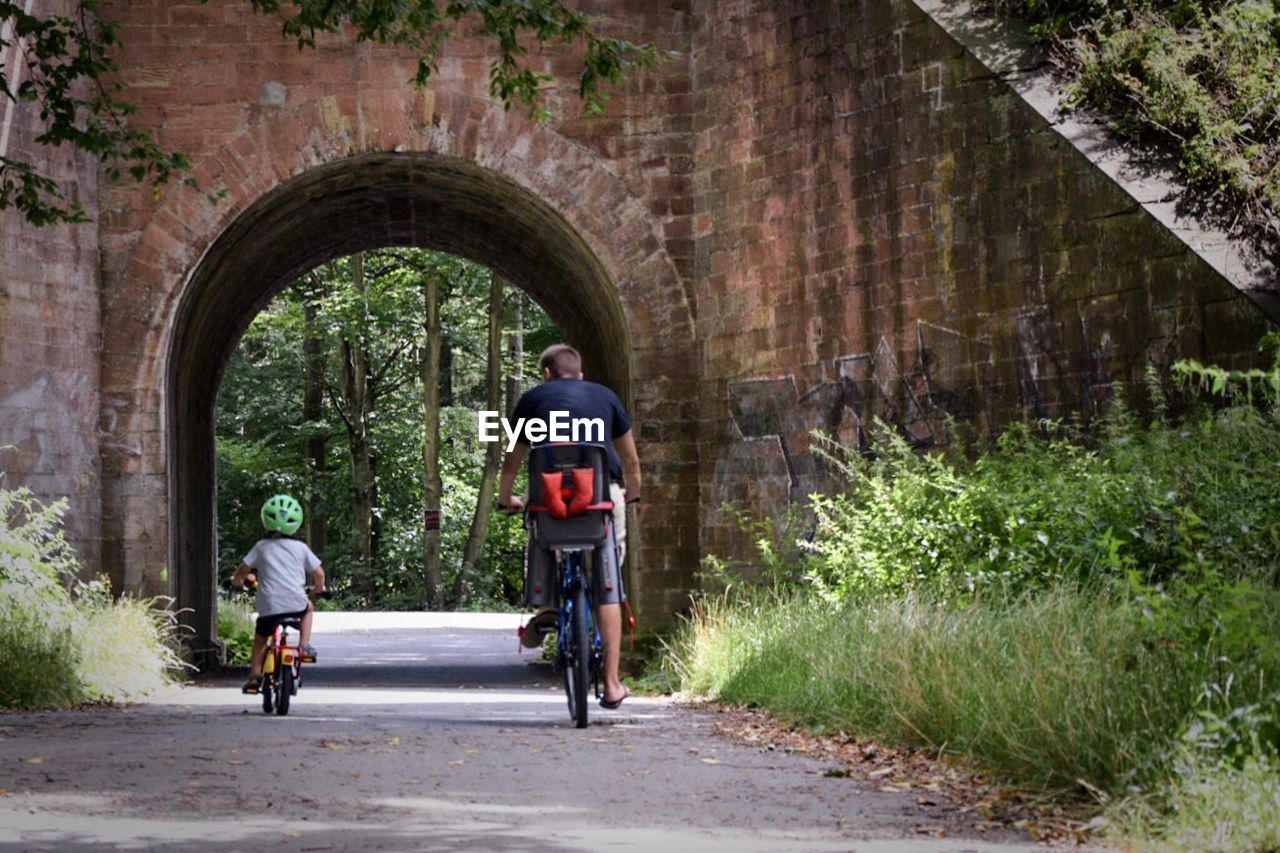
(569, 506)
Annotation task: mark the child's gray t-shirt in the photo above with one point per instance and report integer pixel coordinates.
(282, 566)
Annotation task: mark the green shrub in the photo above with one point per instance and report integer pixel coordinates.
(1069, 609)
(38, 662)
(235, 628)
(63, 641)
(1190, 496)
(1195, 77)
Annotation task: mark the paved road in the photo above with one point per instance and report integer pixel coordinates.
(428, 732)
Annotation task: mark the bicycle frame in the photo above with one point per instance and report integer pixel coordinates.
(281, 671)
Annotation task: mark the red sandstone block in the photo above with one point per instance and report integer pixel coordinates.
(221, 34)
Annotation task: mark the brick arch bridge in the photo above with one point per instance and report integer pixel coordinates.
(533, 207)
(823, 211)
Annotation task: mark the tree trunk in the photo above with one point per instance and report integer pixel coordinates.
(316, 444)
(431, 485)
(493, 450)
(515, 348)
(354, 365)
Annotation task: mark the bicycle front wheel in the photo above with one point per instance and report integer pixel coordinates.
(577, 670)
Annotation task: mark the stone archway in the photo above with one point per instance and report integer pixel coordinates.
(542, 212)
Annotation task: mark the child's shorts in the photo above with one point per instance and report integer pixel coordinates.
(266, 625)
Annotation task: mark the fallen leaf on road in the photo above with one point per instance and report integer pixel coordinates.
(236, 761)
(329, 744)
(3, 792)
(881, 772)
(710, 761)
(473, 752)
(395, 741)
(629, 747)
(836, 773)
(39, 759)
(457, 762)
(292, 834)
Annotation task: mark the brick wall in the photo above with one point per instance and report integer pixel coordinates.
(886, 231)
(49, 341)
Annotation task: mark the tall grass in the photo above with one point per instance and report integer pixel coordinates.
(63, 641)
(1046, 690)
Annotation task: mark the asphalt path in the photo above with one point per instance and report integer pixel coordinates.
(431, 732)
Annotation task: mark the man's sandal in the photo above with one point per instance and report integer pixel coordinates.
(616, 704)
(253, 685)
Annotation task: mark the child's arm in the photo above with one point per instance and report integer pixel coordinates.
(317, 581)
(242, 574)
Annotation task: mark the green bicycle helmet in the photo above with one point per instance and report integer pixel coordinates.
(282, 513)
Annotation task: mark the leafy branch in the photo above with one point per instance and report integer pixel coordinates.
(424, 27)
(63, 65)
(64, 57)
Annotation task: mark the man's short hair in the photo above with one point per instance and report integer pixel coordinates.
(562, 360)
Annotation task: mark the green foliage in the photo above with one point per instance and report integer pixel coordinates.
(235, 628)
(69, 76)
(261, 431)
(67, 65)
(424, 27)
(63, 641)
(1208, 805)
(1197, 77)
(1043, 689)
(1195, 496)
(1076, 611)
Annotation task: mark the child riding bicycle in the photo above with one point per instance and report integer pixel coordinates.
(281, 565)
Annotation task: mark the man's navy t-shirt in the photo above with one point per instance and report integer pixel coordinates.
(581, 399)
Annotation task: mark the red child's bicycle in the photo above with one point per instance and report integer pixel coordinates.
(282, 665)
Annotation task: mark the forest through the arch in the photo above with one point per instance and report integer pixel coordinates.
(343, 394)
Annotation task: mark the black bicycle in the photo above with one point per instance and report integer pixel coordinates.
(579, 647)
(568, 513)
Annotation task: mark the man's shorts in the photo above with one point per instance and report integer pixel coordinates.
(540, 575)
(266, 625)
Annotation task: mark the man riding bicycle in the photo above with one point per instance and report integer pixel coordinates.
(564, 390)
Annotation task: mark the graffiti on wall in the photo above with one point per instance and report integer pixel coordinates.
(944, 378)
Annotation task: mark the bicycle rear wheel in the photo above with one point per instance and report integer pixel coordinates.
(284, 680)
(268, 699)
(577, 670)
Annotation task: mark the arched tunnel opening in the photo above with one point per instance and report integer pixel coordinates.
(358, 204)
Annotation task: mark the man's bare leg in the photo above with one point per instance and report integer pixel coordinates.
(610, 616)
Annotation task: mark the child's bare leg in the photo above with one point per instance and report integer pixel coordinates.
(305, 628)
(259, 652)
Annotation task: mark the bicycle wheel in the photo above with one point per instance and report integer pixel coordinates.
(577, 672)
(268, 700)
(284, 689)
